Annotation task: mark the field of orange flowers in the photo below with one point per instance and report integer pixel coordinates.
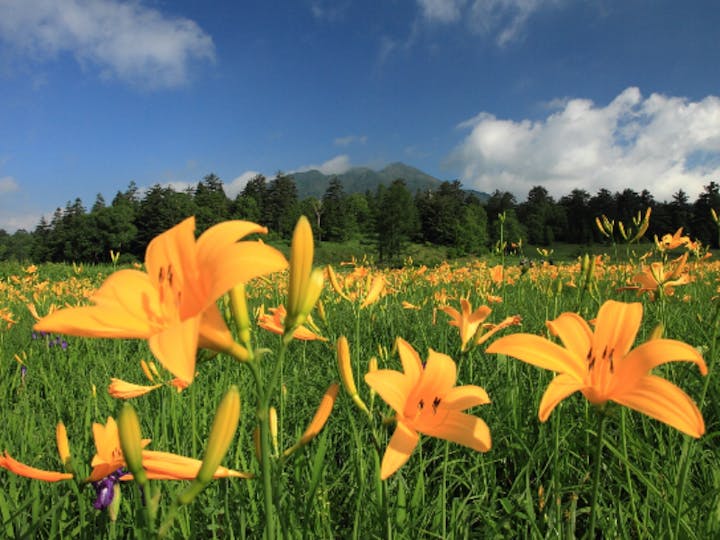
(223, 390)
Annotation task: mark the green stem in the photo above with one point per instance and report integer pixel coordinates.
(686, 455)
(596, 473)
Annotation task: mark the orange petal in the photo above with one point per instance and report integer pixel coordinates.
(460, 398)
(651, 354)
(126, 306)
(437, 379)
(120, 389)
(411, 362)
(321, 415)
(167, 466)
(464, 429)
(616, 327)
(401, 446)
(540, 352)
(7, 462)
(214, 333)
(393, 386)
(240, 263)
(559, 388)
(574, 332)
(176, 347)
(212, 243)
(662, 400)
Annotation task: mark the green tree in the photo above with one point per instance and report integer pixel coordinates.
(211, 202)
(396, 220)
(338, 220)
(281, 209)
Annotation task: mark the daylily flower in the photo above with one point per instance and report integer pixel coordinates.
(672, 241)
(601, 365)
(655, 277)
(173, 304)
(275, 322)
(425, 401)
(470, 323)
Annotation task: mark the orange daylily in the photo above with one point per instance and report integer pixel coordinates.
(120, 389)
(672, 241)
(655, 277)
(275, 323)
(425, 401)
(601, 365)
(173, 304)
(109, 458)
(468, 322)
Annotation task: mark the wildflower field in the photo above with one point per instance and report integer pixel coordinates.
(492, 399)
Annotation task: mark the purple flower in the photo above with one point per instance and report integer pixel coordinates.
(23, 372)
(105, 489)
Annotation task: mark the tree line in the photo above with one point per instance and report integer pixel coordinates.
(390, 217)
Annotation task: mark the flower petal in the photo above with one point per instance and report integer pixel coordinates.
(120, 389)
(176, 346)
(214, 333)
(167, 466)
(436, 380)
(650, 354)
(394, 387)
(464, 429)
(401, 446)
(126, 306)
(662, 400)
(574, 332)
(7, 462)
(213, 242)
(616, 327)
(559, 388)
(411, 362)
(239, 263)
(460, 398)
(540, 352)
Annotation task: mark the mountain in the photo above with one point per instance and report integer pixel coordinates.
(313, 183)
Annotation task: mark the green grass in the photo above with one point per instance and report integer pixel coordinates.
(534, 483)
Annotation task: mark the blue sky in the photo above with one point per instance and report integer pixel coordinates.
(501, 94)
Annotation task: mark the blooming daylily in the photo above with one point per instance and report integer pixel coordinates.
(655, 277)
(426, 401)
(470, 322)
(173, 304)
(601, 365)
(672, 241)
(275, 322)
(109, 460)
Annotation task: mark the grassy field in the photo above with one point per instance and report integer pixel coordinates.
(537, 480)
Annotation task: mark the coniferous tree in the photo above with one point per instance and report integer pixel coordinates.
(281, 209)
(396, 220)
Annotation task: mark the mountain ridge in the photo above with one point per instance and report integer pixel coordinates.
(313, 183)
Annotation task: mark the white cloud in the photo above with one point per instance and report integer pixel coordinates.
(350, 139)
(502, 20)
(124, 40)
(238, 183)
(444, 11)
(8, 184)
(659, 143)
(337, 165)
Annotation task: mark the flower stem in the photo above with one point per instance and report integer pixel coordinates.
(596, 473)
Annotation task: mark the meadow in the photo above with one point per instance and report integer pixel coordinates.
(586, 471)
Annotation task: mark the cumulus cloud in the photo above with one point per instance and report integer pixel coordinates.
(8, 184)
(350, 139)
(502, 20)
(124, 40)
(336, 165)
(234, 188)
(659, 143)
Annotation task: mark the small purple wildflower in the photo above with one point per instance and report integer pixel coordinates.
(23, 372)
(105, 489)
